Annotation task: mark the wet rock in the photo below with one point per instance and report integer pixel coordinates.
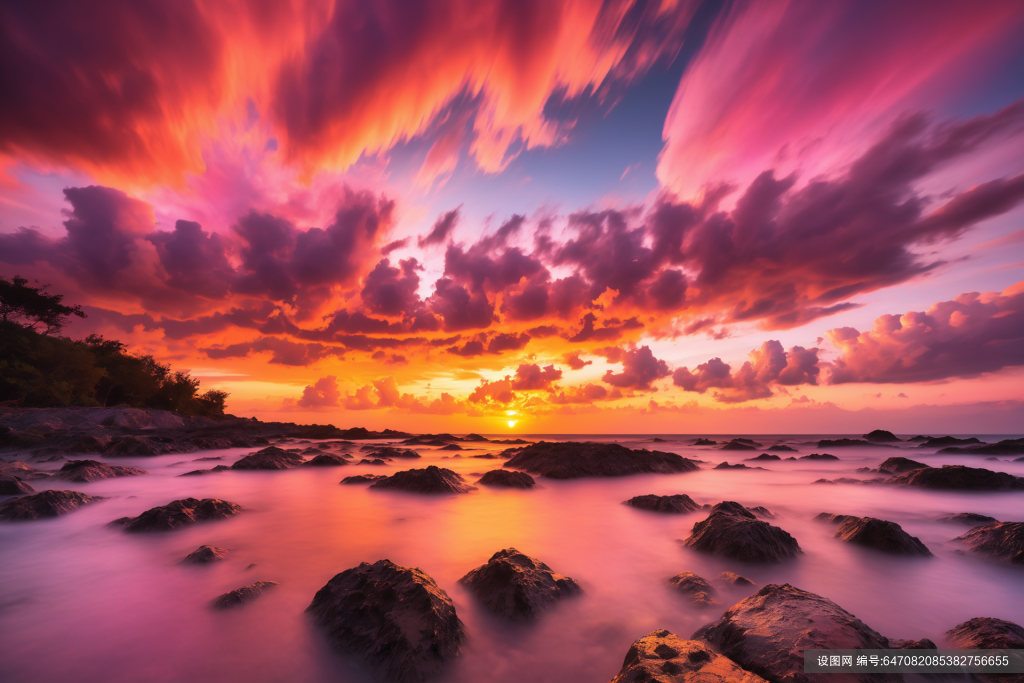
(569, 460)
(474, 437)
(663, 657)
(941, 441)
(958, 477)
(823, 481)
(846, 443)
(1003, 541)
(987, 633)
(270, 458)
(735, 579)
(782, 448)
(881, 436)
(704, 442)
(363, 479)
(511, 442)
(739, 445)
(762, 511)
(218, 468)
(44, 504)
(508, 479)
(487, 456)
(130, 446)
(831, 518)
(179, 513)
(13, 486)
(818, 456)
(919, 438)
(22, 471)
(451, 447)
(739, 466)
(969, 518)
(205, 554)
(375, 462)
(209, 457)
(325, 460)
(733, 531)
(387, 452)
(431, 479)
(1004, 447)
(243, 594)
(898, 465)
(923, 644)
(396, 617)
(676, 504)
(695, 588)
(82, 471)
(881, 535)
(768, 632)
(518, 586)
(764, 457)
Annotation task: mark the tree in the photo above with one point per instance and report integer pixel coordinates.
(41, 312)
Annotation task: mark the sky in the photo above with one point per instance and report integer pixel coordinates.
(615, 216)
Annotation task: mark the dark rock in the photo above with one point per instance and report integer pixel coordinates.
(396, 617)
(82, 471)
(865, 470)
(431, 479)
(22, 471)
(733, 531)
(844, 443)
(768, 632)
(363, 478)
(941, 441)
(919, 438)
(659, 440)
(508, 479)
(1005, 447)
(833, 518)
(325, 460)
(818, 456)
(676, 504)
(739, 445)
(958, 477)
(762, 511)
(487, 456)
(218, 468)
(1001, 540)
(704, 442)
(388, 452)
(968, 518)
(782, 448)
(44, 504)
(823, 481)
(881, 535)
(205, 554)
(697, 589)
(270, 458)
(881, 436)
(923, 644)
(740, 466)
(663, 657)
(209, 457)
(570, 459)
(987, 633)
(735, 579)
(13, 486)
(749, 442)
(474, 437)
(898, 464)
(179, 513)
(375, 461)
(130, 446)
(511, 442)
(243, 594)
(518, 586)
(451, 447)
(764, 457)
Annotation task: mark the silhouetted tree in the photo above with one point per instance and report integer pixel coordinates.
(32, 307)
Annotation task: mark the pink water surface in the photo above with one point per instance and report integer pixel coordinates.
(86, 602)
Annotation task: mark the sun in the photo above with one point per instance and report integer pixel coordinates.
(511, 423)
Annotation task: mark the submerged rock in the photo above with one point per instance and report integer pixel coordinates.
(179, 513)
(987, 633)
(44, 504)
(570, 459)
(518, 586)
(363, 478)
(768, 632)
(243, 594)
(881, 436)
(664, 657)
(958, 477)
(431, 479)
(898, 464)
(676, 504)
(82, 471)
(396, 617)
(508, 479)
(205, 554)
(325, 460)
(733, 531)
(735, 579)
(270, 458)
(1001, 540)
(697, 589)
(970, 518)
(881, 535)
(13, 486)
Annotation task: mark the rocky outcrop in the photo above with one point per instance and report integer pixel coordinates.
(396, 617)
(179, 513)
(218, 468)
(205, 554)
(474, 437)
(831, 518)
(13, 486)
(507, 479)
(44, 504)
(22, 471)
(676, 504)
(782, 448)
(518, 586)
(664, 657)
(270, 458)
(392, 452)
(968, 518)
(1003, 541)
(941, 441)
(570, 460)
(847, 443)
(243, 594)
(82, 471)
(768, 632)
(731, 530)
(818, 456)
(1004, 447)
(881, 535)
(451, 447)
(899, 465)
(764, 457)
(376, 462)
(987, 633)
(960, 478)
(922, 644)
(738, 466)
(431, 479)
(881, 436)
(363, 478)
(704, 442)
(325, 460)
(698, 590)
(735, 579)
(740, 445)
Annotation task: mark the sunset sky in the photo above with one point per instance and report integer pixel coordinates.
(536, 217)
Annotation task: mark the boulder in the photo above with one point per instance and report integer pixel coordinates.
(782, 448)
(663, 657)
(768, 632)
(898, 465)
(739, 445)
(13, 486)
(833, 518)
(325, 460)
(179, 513)
(507, 479)
(451, 447)
(818, 456)
(375, 462)
(704, 442)
(82, 471)
(881, 535)
(205, 554)
(570, 459)
(474, 437)
(922, 644)
(487, 456)
(243, 594)
(960, 478)
(1003, 541)
(846, 443)
(44, 504)
(968, 518)
(1004, 447)
(764, 457)
(129, 447)
(698, 590)
(739, 466)
(940, 441)
(431, 479)
(518, 586)
(733, 531)
(270, 458)
(987, 633)
(881, 436)
(218, 468)
(676, 504)
(22, 471)
(396, 617)
(735, 579)
(762, 511)
(363, 478)
(392, 452)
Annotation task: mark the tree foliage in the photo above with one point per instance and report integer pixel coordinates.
(32, 307)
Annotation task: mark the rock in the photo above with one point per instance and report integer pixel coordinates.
(22, 471)
(704, 442)
(474, 437)
(431, 479)
(697, 589)
(846, 443)
(1001, 540)
(511, 442)
(270, 458)
(739, 466)
(958, 477)
(881, 535)
(676, 504)
(940, 441)
(739, 445)
(218, 468)
(818, 456)
(1004, 447)
(735, 579)
(919, 438)
(325, 460)
(782, 448)
(768, 632)
(82, 471)
(44, 504)
(508, 479)
(898, 464)
(375, 462)
(518, 586)
(205, 554)
(451, 447)
(823, 481)
(243, 594)
(129, 446)
(881, 436)
(762, 511)
(833, 518)
(13, 486)
(764, 457)
(362, 478)
(396, 617)
(969, 518)
(659, 440)
(209, 457)
(733, 531)
(987, 633)
(179, 513)
(570, 459)
(923, 644)
(392, 452)
(487, 456)
(663, 657)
